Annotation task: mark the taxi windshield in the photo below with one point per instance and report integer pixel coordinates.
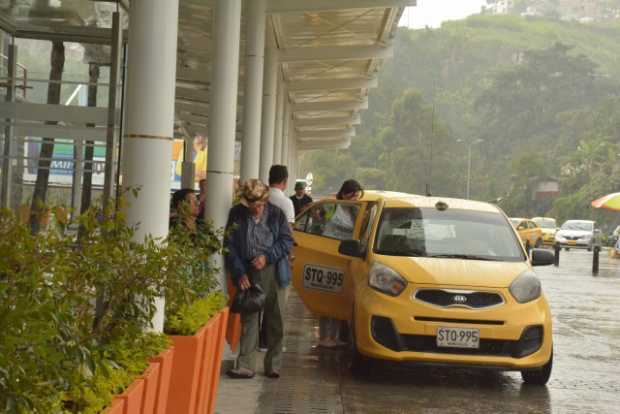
(452, 233)
(577, 225)
(545, 223)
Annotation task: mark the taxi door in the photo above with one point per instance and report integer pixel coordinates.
(321, 275)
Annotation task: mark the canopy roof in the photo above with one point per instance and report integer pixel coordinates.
(330, 50)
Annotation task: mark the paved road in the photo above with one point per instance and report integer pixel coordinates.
(586, 376)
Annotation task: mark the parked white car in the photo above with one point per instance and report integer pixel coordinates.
(578, 234)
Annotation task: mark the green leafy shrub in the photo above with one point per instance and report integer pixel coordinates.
(191, 317)
(191, 277)
(75, 307)
(117, 365)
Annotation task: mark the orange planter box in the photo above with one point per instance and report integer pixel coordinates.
(196, 368)
(164, 360)
(130, 401)
(117, 407)
(148, 393)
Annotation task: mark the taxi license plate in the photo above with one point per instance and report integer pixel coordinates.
(458, 338)
(572, 242)
(323, 278)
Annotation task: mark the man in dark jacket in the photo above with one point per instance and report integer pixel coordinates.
(300, 199)
(257, 246)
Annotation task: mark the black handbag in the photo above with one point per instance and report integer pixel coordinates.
(250, 300)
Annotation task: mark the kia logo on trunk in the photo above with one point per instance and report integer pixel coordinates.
(459, 299)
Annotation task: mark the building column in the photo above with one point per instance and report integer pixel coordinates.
(222, 115)
(253, 95)
(277, 141)
(151, 75)
(270, 90)
(292, 162)
(188, 169)
(286, 134)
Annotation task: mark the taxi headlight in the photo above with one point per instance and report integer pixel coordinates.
(526, 287)
(386, 280)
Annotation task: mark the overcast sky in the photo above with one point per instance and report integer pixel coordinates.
(432, 12)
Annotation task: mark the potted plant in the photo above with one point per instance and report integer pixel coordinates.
(196, 317)
(58, 352)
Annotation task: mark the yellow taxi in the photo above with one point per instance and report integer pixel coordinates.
(531, 235)
(426, 279)
(548, 226)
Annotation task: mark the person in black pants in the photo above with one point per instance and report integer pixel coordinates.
(300, 199)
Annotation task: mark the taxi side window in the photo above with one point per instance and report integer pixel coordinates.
(332, 220)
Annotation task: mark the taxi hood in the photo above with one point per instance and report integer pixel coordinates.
(457, 272)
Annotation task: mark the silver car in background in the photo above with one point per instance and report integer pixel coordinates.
(582, 234)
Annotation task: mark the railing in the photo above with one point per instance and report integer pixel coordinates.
(23, 78)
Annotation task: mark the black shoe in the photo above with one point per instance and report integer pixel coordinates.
(273, 374)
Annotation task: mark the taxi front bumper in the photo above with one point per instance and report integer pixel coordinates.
(513, 336)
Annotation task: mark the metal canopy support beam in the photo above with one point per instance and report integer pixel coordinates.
(325, 134)
(196, 94)
(333, 84)
(222, 116)
(150, 119)
(325, 122)
(270, 90)
(78, 166)
(253, 95)
(116, 54)
(201, 119)
(330, 106)
(8, 152)
(91, 35)
(304, 54)
(297, 6)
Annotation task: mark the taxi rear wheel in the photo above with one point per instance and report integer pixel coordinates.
(538, 376)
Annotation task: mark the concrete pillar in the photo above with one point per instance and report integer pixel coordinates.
(292, 163)
(222, 115)
(147, 153)
(253, 95)
(277, 142)
(270, 90)
(188, 169)
(286, 134)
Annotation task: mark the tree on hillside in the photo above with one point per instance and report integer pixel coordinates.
(525, 100)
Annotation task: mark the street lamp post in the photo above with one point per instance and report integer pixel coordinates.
(471, 144)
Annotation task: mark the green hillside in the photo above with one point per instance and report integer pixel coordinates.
(542, 95)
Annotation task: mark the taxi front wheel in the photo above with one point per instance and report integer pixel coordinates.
(361, 365)
(538, 376)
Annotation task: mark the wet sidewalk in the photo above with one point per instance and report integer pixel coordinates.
(585, 378)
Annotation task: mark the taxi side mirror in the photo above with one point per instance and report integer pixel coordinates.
(542, 257)
(350, 248)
